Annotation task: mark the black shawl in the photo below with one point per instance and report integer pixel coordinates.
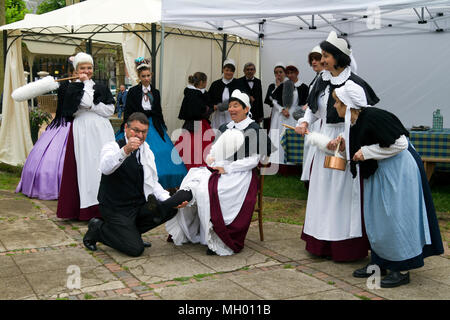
(217, 87)
(74, 93)
(134, 104)
(320, 86)
(195, 106)
(59, 119)
(276, 94)
(373, 126)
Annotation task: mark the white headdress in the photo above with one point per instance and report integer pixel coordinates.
(242, 97)
(354, 97)
(82, 57)
(229, 61)
(339, 43)
(279, 64)
(316, 49)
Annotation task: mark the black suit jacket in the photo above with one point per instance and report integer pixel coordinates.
(255, 92)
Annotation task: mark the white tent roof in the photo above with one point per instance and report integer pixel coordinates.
(296, 19)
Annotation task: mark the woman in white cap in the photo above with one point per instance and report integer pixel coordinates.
(218, 201)
(90, 104)
(333, 226)
(314, 60)
(401, 233)
(220, 92)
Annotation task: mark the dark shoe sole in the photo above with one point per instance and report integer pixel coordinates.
(396, 284)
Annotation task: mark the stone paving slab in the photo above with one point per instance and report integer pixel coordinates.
(15, 288)
(54, 260)
(275, 231)
(327, 295)
(154, 269)
(247, 257)
(15, 208)
(281, 284)
(291, 248)
(31, 234)
(8, 268)
(341, 270)
(208, 290)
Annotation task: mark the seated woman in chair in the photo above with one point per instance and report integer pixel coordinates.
(217, 202)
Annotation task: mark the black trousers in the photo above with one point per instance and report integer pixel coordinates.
(122, 228)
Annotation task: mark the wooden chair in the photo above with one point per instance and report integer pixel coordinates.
(259, 202)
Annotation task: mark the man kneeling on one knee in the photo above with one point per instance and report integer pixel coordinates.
(128, 193)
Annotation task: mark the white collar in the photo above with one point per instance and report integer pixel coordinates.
(190, 86)
(240, 125)
(252, 79)
(226, 81)
(298, 83)
(340, 79)
(149, 88)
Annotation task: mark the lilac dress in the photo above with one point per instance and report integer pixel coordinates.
(42, 172)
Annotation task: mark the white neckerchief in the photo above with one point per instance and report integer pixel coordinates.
(146, 105)
(226, 81)
(240, 125)
(88, 86)
(226, 92)
(340, 79)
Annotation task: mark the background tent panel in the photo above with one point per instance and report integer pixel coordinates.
(408, 73)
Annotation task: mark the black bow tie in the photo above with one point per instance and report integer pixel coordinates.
(249, 80)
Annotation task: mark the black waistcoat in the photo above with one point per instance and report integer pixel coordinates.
(123, 188)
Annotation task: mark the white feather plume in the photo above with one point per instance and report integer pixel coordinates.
(35, 88)
(320, 140)
(226, 145)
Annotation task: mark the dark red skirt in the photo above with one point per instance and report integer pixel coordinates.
(193, 147)
(69, 195)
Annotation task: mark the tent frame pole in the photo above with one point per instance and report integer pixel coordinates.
(224, 48)
(153, 53)
(5, 47)
(161, 58)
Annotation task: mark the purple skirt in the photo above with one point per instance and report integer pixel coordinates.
(42, 172)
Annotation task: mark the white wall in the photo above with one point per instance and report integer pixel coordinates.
(410, 74)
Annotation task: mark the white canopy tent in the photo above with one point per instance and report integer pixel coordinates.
(133, 24)
(400, 46)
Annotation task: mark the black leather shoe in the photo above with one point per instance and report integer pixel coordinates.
(362, 273)
(209, 252)
(395, 279)
(90, 238)
(146, 244)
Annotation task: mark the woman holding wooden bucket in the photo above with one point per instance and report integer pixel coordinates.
(401, 233)
(333, 223)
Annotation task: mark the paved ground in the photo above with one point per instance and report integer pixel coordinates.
(40, 256)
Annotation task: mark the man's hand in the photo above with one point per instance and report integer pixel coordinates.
(184, 204)
(358, 156)
(220, 169)
(252, 99)
(302, 128)
(133, 144)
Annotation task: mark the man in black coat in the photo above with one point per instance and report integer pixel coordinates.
(128, 193)
(252, 86)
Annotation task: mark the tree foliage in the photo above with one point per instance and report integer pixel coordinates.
(15, 10)
(50, 5)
